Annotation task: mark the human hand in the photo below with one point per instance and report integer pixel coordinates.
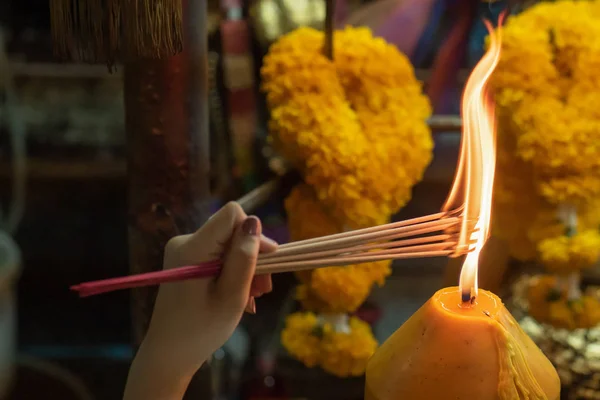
(192, 319)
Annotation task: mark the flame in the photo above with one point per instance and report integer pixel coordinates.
(474, 180)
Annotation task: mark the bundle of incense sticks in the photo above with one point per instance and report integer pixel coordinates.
(433, 235)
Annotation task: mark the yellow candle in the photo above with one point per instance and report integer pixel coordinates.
(449, 350)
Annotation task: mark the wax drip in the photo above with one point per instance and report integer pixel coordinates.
(516, 379)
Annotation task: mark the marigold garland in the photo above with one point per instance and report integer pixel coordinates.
(551, 305)
(333, 289)
(564, 254)
(299, 339)
(318, 343)
(356, 129)
(546, 89)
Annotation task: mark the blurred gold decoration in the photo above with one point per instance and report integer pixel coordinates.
(274, 18)
(374, 13)
(574, 353)
(97, 31)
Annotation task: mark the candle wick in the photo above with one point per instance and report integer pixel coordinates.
(466, 297)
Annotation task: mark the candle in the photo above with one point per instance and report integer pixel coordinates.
(463, 343)
(453, 350)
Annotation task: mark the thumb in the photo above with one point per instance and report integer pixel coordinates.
(240, 263)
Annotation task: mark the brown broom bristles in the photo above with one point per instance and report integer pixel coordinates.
(152, 28)
(105, 31)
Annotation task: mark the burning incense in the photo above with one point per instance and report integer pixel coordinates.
(433, 235)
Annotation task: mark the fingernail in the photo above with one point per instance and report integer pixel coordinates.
(251, 306)
(251, 226)
(268, 239)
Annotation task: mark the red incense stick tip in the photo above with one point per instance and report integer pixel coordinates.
(210, 269)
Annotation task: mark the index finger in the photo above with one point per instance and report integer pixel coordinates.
(210, 240)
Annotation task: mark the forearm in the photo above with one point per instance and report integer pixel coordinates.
(153, 376)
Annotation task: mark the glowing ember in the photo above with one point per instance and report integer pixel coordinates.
(474, 178)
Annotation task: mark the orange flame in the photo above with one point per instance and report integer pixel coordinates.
(474, 178)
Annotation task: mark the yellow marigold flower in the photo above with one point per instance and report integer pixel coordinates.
(546, 87)
(337, 289)
(576, 189)
(344, 289)
(541, 292)
(585, 248)
(554, 254)
(346, 354)
(548, 304)
(355, 127)
(561, 315)
(589, 216)
(334, 289)
(317, 343)
(299, 339)
(341, 289)
(589, 316)
(306, 217)
(563, 255)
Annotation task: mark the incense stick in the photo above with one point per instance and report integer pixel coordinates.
(358, 248)
(408, 222)
(429, 236)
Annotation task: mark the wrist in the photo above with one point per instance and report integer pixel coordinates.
(156, 374)
(176, 355)
(175, 352)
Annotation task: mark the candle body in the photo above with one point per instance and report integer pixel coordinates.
(447, 351)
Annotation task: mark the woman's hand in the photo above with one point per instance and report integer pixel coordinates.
(192, 319)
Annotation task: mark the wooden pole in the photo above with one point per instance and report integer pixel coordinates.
(329, 28)
(166, 116)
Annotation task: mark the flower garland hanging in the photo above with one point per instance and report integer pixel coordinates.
(318, 341)
(547, 195)
(334, 289)
(355, 127)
